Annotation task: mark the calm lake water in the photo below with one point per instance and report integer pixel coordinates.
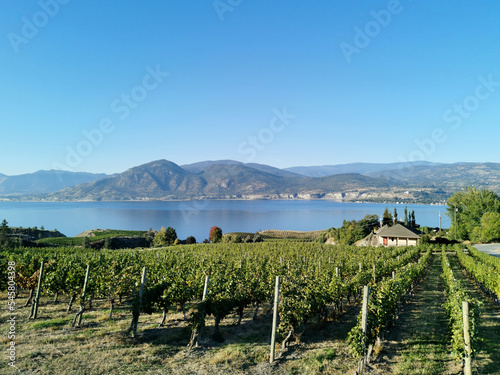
(197, 217)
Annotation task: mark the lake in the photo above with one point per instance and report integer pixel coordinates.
(195, 218)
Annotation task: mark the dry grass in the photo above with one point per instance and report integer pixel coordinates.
(418, 344)
(49, 345)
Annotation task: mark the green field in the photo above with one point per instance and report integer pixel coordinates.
(78, 241)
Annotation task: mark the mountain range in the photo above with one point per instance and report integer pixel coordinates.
(44, 181)
(361, 168)
(422, 182)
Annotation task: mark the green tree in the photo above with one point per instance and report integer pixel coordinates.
(352, 231)
(470, 205)
(171, 235)
(165, 237)
(406, 222)
(190, 240)
(386, 217)
(215, 234)
(395, 215)
(489, 230)
(4, 235)
(412, 223)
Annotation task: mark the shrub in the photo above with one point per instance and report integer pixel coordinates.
(215, 234)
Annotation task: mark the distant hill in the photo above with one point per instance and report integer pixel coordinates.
(165, 180)
(156, 180)
(450, 177)
(422, 182)
(44, 181)
(201, 166)
(361, 168)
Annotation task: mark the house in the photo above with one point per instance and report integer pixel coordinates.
(397, 235)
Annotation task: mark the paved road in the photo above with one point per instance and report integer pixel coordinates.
(492, 249)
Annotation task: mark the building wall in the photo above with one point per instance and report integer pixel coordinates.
(392, 241)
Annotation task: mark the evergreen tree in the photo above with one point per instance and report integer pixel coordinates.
(395, 215)
(406, 217)
(386, 217)
(4, 235)
(413, 223)
(171, 235)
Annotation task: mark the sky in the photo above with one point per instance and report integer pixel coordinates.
(104, 86)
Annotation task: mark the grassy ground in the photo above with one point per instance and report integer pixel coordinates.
(419, 341)
(49, 345)
(417, 344)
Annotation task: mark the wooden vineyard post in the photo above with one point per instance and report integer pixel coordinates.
(364, 326)
(37, 297)
(84, 293)
(79, 314)
(135, 319)
(195, 336)
(275, 318)
(337, 275)
(141, 293)
(205, 288)
(468, 364)
(203, 298)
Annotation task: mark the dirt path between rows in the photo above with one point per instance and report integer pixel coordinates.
(419, 341)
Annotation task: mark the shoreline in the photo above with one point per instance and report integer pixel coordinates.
(221, 199)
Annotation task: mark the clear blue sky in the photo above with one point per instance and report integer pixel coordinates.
(377, 81)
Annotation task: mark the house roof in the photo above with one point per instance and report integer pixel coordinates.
(398, 230)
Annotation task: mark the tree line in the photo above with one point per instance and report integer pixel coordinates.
(475, 215)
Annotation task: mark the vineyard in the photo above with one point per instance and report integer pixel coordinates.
(211, 308)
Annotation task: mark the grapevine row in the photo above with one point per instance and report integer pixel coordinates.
(482, 270)
(485, 258)
(315, 278)
(383, 305)
(456, 294)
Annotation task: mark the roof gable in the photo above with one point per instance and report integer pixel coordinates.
(399, 231)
